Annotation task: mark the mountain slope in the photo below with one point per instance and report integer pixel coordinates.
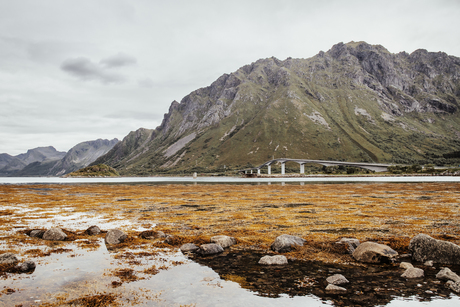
(355, 102)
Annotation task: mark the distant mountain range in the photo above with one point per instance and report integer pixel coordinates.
(355, 102)
(47, 161)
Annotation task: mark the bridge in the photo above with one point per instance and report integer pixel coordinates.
(377, 167)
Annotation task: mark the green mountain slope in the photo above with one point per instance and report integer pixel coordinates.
(355, 102)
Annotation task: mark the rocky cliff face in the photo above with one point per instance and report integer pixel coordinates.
(355, 102)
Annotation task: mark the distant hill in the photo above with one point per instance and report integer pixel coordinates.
(99, 170)
(355, 102)
(46, 161)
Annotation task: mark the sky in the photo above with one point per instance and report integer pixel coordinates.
(75, 71)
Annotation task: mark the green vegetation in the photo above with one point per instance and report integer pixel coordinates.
(100, 170)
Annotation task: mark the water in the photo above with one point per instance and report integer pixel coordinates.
(221, 179)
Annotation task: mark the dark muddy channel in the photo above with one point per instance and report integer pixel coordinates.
(370, 285)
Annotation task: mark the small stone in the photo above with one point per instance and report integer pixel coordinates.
(333, 289)
(285, 243)
(210, 249)
(93, 230)
(351, 244)
(454, 286)
(413, 273)
(115, 236)
(224, 241)
(447, 274)
(406, 265)
(188, 247)
(337, 279)
(273, 260)
(150, 235)
(26, 266)
(428, 263)
(54, 234)
(8, 258)
(37, 233)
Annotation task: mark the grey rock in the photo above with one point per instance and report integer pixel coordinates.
(372, 252)
(210, 249)
(424, 248)
(337, 279)
(428, 263)
(413, 273)
(351, 244)
(224, 241)
(150, 235)
(169, 239)
(285, 243)
(189, 247)
(115, 236)
(8, 258)
(406, 265)
(93, 230)
(447, 274)
(54, 234)
(37, 233)
(273, 260)
(333, 289)
(26, 266)
(454, 286)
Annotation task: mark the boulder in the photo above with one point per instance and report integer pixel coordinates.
(150, 235)
(337, 279)
(115, 236)
(406, 265)
(93, 230)
(37, 233)
(188, 247)
(372, 252)
(333, 289)
(284, 243)
(350, 243)
(454, 286)
(54, 234)
(8, 258)
(447, 274)
(413, 273)
(273, 260)
(224, 241)
(26, 266)
(210, 249)
(424, 248)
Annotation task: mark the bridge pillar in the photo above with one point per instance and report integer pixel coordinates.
(283, 168)
(302, 168)
(258, 171)
(269, 170)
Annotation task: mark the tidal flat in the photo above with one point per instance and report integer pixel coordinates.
(83, 271)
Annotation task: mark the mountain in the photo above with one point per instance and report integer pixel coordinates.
(46, 161)
(355, 102)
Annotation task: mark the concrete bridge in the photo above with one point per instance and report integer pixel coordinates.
(377, 167)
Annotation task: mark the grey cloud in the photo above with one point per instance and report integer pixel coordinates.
(84, 69)
(118, 60)
(146, 82)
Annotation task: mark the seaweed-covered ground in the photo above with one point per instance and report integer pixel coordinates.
(82, 271)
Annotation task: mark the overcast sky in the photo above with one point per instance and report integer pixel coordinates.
(74, 71)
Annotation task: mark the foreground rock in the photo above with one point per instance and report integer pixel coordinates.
(454, 286)
(27, 266)
(115, 236)
(406, 265)
(210, 249)
(413, 273)
(372, 252)
(337, 279)
(151, 235)
(188, 247)
(350, 243)
(224, 241)
(273, 260)
(447, 274)
(93, 230)
(37, 233)
(333, 289)
(8, 258)
(425, 248)
(285, 243)
(54, 234)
